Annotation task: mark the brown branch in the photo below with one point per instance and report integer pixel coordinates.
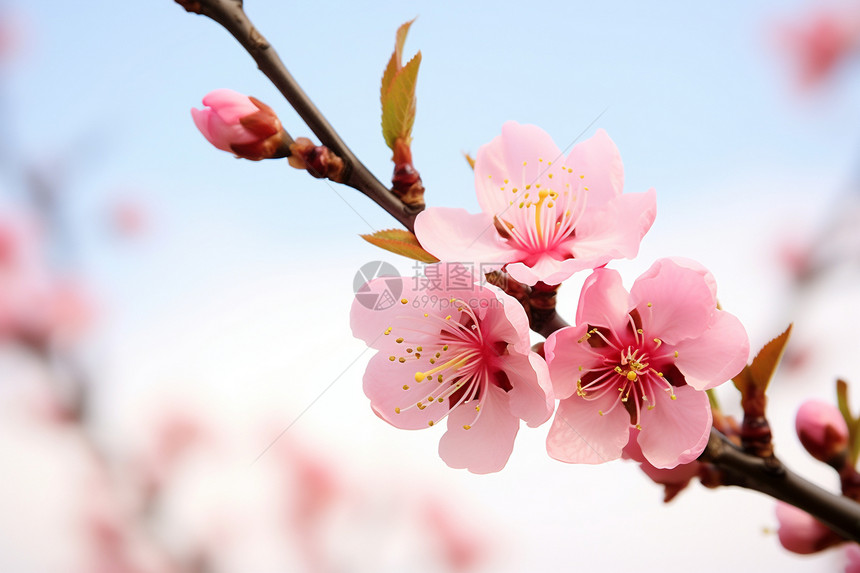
(230, 15)
(770, 477)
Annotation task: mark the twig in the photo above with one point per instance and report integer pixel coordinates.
(231, 16)
(839, 513)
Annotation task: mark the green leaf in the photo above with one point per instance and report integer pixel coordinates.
(402, 243)
(397, 93)
(757, 376)
(394, 63)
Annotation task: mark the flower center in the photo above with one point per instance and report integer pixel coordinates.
(455, 362)
(626, 369)
(542, 212)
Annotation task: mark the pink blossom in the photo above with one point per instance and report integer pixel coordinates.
(819, 43)
(461, 353)
(822, 430)
(240, 124)
(852, 558)
(801, 533)
(544, 215)
(640, 362)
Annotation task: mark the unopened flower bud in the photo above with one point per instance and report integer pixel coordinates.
(801, 533)
(242, 125)
(822, 431)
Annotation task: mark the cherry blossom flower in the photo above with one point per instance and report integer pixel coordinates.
(240, 124)
(545, 216)
(636, 365)
(819, 43)
(801, 533)
(461, 353)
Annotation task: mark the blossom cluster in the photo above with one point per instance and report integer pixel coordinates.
(629, 375)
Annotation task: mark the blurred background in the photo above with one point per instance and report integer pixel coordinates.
(179, 387)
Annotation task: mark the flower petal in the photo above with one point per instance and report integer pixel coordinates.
(383, 384)
(229, 105)
(553, 271)
(530, 397)
(675, 431)
(674, 302)
(580, 435)
(512, 156)
(504, 320)
(487, 445)
(457, 235)
(597, 158)
(717, 355)
(604, 301)
(618, 228)
(568, 359)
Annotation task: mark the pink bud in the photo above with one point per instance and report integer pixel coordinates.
(822, 430)
(242, 125)
(801, 533)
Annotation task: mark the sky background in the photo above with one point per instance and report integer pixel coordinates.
(237, 295)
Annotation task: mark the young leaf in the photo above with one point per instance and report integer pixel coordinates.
(397, 92)
(402, 243)
(757, 375)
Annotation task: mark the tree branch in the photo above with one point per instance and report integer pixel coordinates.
(769, 476)
(230, 15)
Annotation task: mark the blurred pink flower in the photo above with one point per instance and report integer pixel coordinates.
(822, 430)
(461, 353)
(544, 216)
(35, 305)
(240, 124)
(641, 361)
(820, 42)
(801, 533)
(852, 558)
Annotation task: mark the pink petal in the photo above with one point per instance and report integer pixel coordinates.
(604, 301)
(553, 271)
(618, 228)
(201, 120)
(801, 533)
(503, 158)
(370, 323)
(699, 268)
(383, 384)
(674, 302)
(717, 355)
(568, 359)
(675, 431)
(229, 105)
(597, 158)
(457, 235)
(505, 320)
(580, 435)
(487, 445)
(530, 397)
